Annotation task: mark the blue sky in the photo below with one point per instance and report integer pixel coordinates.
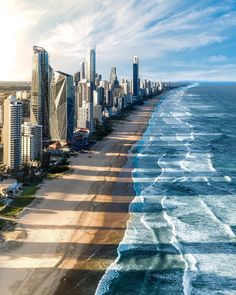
(175, 39)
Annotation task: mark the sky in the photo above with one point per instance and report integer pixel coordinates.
(174, 39)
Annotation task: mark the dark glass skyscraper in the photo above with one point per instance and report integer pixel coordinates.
(39, 104)
(82, 70)
(135, 76)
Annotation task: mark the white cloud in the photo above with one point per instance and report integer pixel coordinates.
(217, 58)
(197, 73)
(153, 29)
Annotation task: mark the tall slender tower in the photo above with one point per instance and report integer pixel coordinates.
(91, 66)
(82, 70)
(39, 108)
(135, 76)
(12, 133)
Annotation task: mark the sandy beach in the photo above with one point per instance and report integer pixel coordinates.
(68, 236)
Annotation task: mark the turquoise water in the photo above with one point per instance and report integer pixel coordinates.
(180, 238)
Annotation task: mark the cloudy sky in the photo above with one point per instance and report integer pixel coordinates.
(175, 39)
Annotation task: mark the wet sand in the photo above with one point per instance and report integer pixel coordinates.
(66, 239)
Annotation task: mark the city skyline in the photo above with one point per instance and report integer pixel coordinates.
(177, 40)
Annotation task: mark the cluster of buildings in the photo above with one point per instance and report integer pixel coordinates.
(60, 105)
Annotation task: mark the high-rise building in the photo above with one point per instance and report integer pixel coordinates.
(77, 78)
(82, 71)
(98, 78)
(91, 66)
(99, 96)
(85, 105)
(113, 78)
(105, 85)
(126, 86)
(98, 114)
(39, 109)
(31, 142)
(1, 114)
(61, 107)
(12, 133)
(135, 76)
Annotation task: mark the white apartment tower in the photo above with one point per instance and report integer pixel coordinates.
(12, 133)
(31, 142)
(85, 105)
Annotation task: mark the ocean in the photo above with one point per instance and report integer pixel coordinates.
(180, 238)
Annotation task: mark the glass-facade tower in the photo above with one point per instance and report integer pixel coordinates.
(135, 76)
(91, 66)
(39, 104)
(62, 107)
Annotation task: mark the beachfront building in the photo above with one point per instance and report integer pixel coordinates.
(91, 66)
(31, 144)
(85, 105)
(12, 133)
(39, 103)
(61, 107)
(135, 86)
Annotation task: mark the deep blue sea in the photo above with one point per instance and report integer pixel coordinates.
(180, 238)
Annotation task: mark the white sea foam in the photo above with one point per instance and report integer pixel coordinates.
(192, 222)
(176, 244)
(182, 137)
(228, 178)
(225, 227)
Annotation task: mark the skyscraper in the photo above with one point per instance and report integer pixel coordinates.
(39, 108)
(91, 66)
(135, 76)
(61, 107)
(31, 142)
(12, 133)
(113, 78)
(82, 70)
(77, 78)
(85, 105)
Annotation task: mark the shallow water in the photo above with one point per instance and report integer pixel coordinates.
(180, 238)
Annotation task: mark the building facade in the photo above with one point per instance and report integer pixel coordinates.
(61, 107)
(12, 133)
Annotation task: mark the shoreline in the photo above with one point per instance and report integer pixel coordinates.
(65, 240)
(88, 282)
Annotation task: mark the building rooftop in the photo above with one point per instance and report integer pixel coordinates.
(6, 183)
(39, 49)
(65, 74)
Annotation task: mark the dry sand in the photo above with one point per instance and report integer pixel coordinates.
(68, 236)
